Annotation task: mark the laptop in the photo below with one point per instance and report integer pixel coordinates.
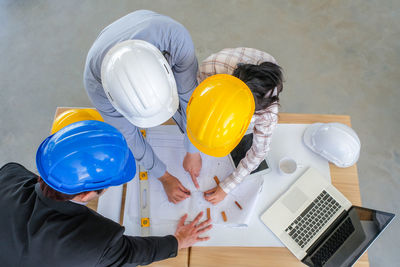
(320, 226)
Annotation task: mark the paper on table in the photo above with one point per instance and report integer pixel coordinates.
(286, 141)
(167, 143)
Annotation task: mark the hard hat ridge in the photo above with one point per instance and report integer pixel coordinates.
(139, 83)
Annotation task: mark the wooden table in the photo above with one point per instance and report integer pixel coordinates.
(344, 179)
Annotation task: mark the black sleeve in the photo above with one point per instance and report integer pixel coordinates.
(131, 251)
(18, 174)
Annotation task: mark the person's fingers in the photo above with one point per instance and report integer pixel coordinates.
(195, 172)
(182, 220)
(178, 199)
(203, 238)
(201, 225)
(185, 192)
(181, 195)
(204, 229)
(210, 198)
(186, 168)
(197, 219)
(210, 191)
(194, 179)
(182, 198)
(183, 189)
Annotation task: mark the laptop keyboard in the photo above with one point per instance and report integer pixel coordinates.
(333, 243)
(312, 219)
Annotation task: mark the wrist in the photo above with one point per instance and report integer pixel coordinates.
(179, 241)
(223, 188)
(164, 177)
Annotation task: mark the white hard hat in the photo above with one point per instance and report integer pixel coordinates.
(139, 83)
(336, 142)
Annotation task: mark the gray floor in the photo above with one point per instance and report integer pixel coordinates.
(339, 57)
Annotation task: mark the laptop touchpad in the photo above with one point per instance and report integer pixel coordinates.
(294, 199)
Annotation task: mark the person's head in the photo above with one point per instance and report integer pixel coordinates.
(218, 114)
(264, 80)
(49, 192)
(82, 159)
(139, 83)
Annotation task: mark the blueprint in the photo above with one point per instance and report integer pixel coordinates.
(167, 143)
(286, 142)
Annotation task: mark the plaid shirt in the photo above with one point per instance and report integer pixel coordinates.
(263, 121)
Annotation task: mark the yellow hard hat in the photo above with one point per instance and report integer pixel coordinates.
(218, 114)
(75, 115)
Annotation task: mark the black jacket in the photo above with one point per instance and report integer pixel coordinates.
(38, 231)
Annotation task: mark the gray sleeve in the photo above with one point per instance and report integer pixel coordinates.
(185, 73)
(141, 150)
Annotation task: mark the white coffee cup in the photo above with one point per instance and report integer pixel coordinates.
(287, 165)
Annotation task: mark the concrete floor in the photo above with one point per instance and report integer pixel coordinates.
(339, 57)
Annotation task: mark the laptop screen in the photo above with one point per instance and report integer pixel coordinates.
(373, 223)
(349, 238)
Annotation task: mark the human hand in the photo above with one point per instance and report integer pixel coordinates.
(215, 195)
(189, 234)
(175, 191)
(192, 164)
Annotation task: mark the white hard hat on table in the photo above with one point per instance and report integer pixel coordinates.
(139, 83)
(336, 142)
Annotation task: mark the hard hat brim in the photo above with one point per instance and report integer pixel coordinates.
(157, 119)
(126, 175)
(74, 115)
(214, 152)
(308, 133)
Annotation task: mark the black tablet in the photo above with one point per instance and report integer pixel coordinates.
(239, 152)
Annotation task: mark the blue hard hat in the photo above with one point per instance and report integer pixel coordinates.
(85, 156)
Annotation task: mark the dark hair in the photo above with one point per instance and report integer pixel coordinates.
(262, 80)
(56, 195)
